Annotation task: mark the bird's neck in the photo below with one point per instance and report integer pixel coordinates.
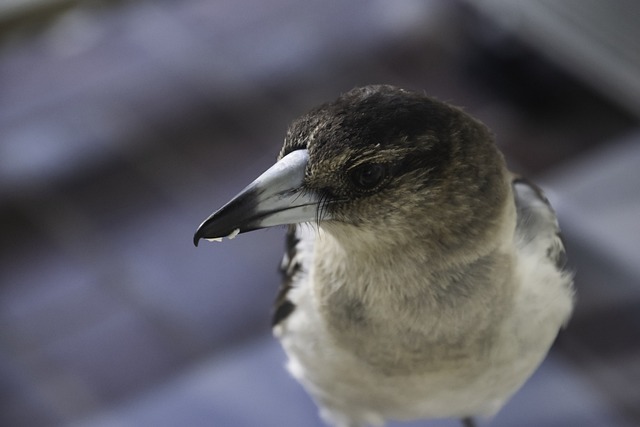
(396, 298)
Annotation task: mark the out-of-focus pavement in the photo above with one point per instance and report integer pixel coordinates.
(123, 124)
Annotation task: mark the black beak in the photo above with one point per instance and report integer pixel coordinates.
(276, 197)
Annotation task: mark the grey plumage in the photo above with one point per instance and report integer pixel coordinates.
(425, 280)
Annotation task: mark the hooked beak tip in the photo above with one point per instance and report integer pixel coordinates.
(197, 236)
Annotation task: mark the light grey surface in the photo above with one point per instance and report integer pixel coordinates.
(598, 202)
(599, 195)
(145, 63)
(594, 40)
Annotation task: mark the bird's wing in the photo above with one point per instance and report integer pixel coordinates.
(537, 228)
(294, 267)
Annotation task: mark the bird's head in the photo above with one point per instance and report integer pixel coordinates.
(378, 164)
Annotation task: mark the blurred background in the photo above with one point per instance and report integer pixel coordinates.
(123, 124)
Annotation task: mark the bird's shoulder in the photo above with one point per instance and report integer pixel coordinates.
(293, 268)
(537, 228)
(546, 295)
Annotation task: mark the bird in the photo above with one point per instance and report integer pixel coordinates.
(421, 278)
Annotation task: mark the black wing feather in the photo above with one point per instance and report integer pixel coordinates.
(288, 269)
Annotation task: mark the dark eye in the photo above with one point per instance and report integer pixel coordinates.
(368, 176)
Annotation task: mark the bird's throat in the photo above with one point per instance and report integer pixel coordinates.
(392, 307)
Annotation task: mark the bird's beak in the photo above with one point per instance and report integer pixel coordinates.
(276, 197)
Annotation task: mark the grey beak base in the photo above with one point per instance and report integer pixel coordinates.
(276, 197)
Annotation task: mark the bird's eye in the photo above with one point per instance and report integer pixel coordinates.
(367, 176)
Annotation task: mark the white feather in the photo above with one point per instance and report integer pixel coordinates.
(441, 379)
